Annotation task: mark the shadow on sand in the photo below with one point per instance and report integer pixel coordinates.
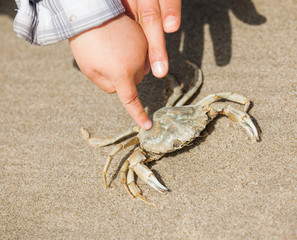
(188, 42)
(7, 7)
(214, 13)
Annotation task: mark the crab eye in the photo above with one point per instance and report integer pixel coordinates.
(176, 143)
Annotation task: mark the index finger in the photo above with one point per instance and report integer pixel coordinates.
(128, 95)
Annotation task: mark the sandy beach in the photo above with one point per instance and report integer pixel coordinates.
(223, 186)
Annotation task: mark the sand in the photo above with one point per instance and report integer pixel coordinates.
(223, 186)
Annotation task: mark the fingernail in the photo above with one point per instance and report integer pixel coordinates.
(159, 69)
(170, 23)
(148, 124)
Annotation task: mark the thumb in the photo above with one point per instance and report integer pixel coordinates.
(128, 95)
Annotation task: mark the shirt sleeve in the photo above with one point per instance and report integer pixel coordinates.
(42, 22)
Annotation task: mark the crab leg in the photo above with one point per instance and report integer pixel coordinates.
(100, 142)
(123, 171)
(231, 96)
(129, 182)
(176, 90)
(143, 172)
(239, 117)
(194, 89)
(134, 188)
(116, 150)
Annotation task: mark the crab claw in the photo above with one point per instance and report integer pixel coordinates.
(85, 134)
(154, 183)
(94, 142)
(248, 124)
(145, 174)
(243, 119)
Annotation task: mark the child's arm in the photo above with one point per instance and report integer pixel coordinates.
(43, 22)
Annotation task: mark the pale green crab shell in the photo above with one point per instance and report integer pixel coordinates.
(173, 128)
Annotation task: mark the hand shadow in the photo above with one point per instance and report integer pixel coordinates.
(195, 14)
(215, 13)
(8, 8)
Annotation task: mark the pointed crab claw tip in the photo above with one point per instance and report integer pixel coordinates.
(85, 134)
(252, 130)
(153, 182)
(257, 138)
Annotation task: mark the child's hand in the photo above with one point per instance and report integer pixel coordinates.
(113, 57)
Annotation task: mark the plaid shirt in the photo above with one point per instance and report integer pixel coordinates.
(43, 22)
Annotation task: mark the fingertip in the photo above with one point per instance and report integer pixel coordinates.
(143, 121)
(147, 125)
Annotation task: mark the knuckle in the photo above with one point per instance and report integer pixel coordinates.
(132, 100)
(110, 90)
(149, 15)
(124, 71)
(156, 52)
(170, 11)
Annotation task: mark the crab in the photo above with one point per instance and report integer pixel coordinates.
(174, 127)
